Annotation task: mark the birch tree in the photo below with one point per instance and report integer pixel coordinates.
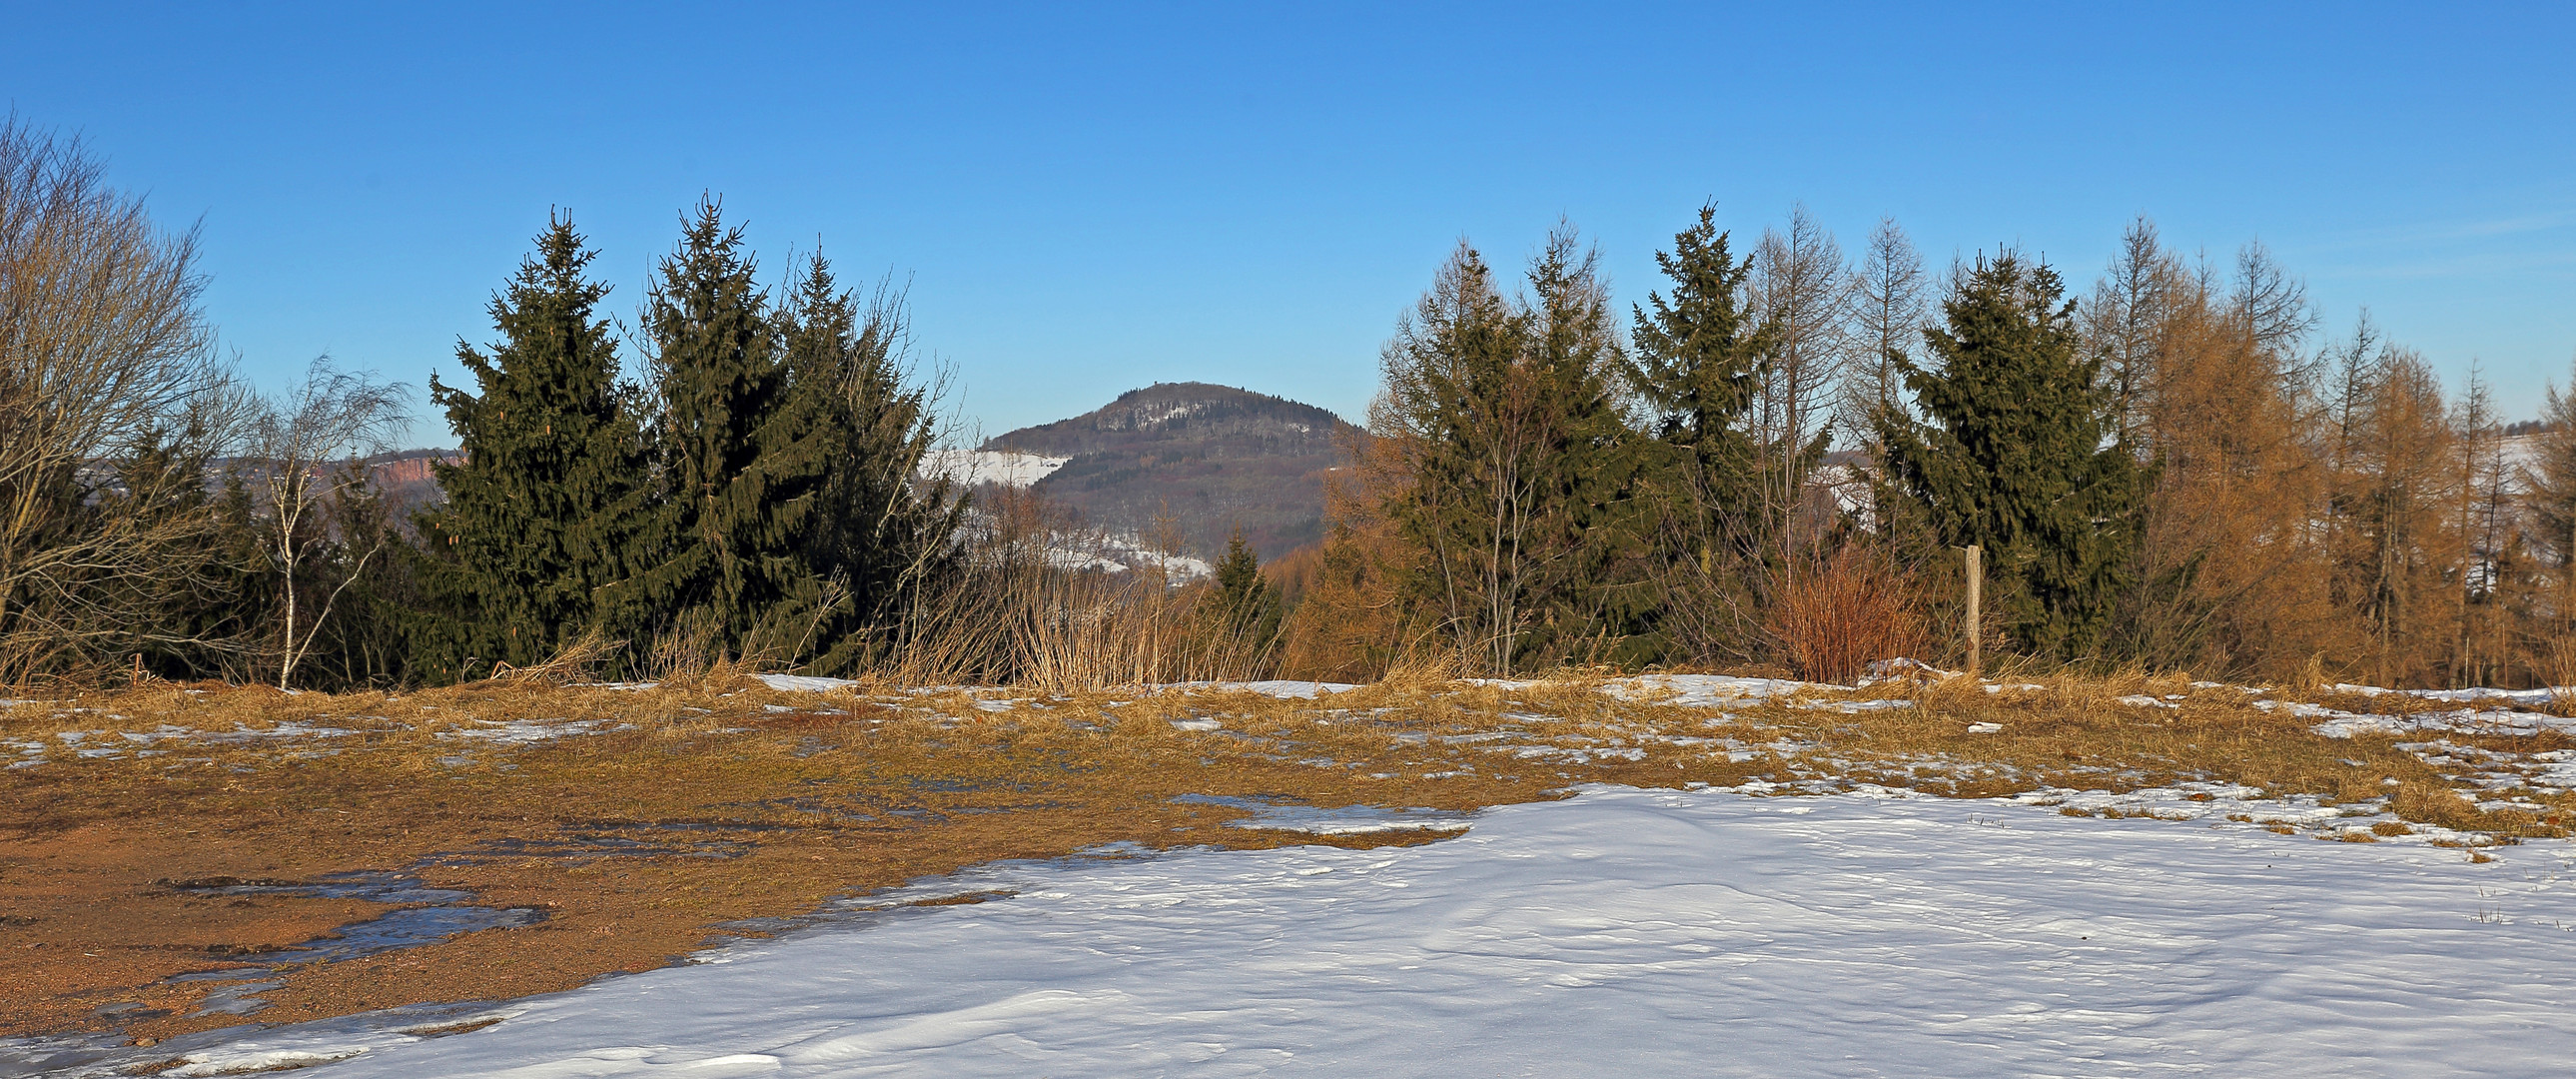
(333, 415)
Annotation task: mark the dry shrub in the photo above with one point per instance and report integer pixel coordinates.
(2312, 676)
(1039, 600)
(579, 661)
(2559, 667)
(1843, 611)
(2429, 803)
(1092, 630)
(686, 652)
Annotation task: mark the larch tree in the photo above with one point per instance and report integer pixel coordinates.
(2128, 317)
(2208, 385)
(2550, 479)
(2394, 488)
(1890, 299)
(1802, 291)
(2489, 551)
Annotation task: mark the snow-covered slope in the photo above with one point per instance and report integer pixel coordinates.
(1622, 932)
(971, 467)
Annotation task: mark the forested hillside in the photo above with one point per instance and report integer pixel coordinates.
(1210, 459)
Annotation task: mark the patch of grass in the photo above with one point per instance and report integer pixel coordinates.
(737, 802)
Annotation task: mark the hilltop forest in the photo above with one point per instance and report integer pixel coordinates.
(1766, 462)
(1205, 461)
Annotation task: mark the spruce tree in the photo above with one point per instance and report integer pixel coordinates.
(1594, 606)
(880, 535)
(1247, 605)
(743, 458)
(2017, 455)
(1520, 477)
(1697, 363)
(541, 512)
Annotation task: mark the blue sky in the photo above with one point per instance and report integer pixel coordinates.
(1088, 200)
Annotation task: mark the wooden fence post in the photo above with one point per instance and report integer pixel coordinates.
(1976, 598)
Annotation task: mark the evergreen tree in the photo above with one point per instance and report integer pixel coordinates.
(880, 535)
(1247, 606)
(2014, 456)
(1520, 478)
(197, 620)
(1596, 606)
(743, 458)
(541, 513)
(369, 569)
(1697, 363)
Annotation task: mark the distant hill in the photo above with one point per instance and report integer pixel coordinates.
(407, 481)
(1211, 457)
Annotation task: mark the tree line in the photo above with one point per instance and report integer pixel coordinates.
(1767, 463)
(2173, 469)
(737, 479)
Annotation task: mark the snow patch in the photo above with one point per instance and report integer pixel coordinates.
(1004, 467)
(1626, 932)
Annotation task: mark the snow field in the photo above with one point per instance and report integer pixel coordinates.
(1623, 932)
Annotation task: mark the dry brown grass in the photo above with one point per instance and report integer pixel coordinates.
(817, 795)
(2559, 668)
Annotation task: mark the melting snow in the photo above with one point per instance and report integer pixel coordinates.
(802, 683)
(1290, 690)
(1621, 932)
(520, 732)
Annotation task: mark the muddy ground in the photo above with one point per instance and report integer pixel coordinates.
(175, 859)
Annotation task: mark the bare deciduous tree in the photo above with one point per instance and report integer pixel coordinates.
(1802, 291)
(2126, 319)
(294, 441)
(1890, 298)
(104, 357)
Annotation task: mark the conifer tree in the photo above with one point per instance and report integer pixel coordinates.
(880, 536)
(1520, 478)
(743, 458)
(1596, 606)
(1804, 294)
(1246, 604)
(1697, 362)
(2015, 455)
(2551, 481)
(541, 512)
